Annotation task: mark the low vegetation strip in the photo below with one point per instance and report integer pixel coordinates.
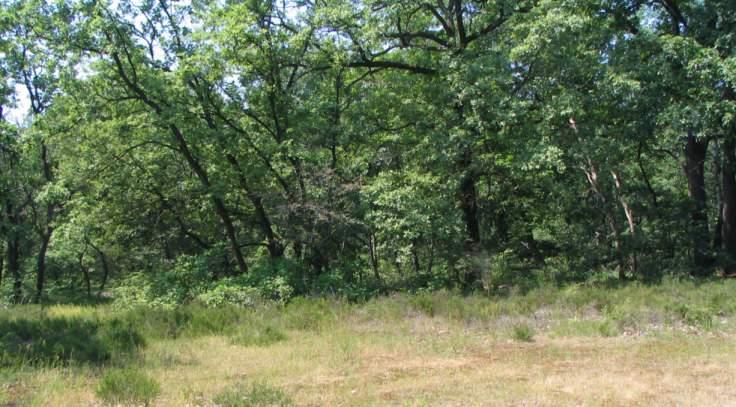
(670, 343)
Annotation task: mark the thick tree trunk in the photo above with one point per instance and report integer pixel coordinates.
(695, 154)
(728, 212)
(41, 264)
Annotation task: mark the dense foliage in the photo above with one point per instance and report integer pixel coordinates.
(225, 151)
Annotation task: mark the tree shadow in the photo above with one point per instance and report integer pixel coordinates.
(62, 341)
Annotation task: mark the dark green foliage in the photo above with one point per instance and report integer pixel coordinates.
(127, 387)
(61, 341)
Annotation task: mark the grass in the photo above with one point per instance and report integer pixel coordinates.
(127, 386)
(665, 344)
(254, 395)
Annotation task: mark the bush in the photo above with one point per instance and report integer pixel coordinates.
(127, 386)
(523, 333)
(255, 395)
(228, 292)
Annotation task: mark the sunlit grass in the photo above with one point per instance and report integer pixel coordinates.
(669, 344)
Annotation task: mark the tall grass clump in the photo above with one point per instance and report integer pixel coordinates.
(127, 387)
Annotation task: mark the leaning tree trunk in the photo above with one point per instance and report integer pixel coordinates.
(631, 222)
(695, 154)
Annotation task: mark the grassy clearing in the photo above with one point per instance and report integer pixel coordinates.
(670, 344)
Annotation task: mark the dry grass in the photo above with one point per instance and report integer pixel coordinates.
(419, 360)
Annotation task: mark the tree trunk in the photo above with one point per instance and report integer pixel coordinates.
(373, 252)
(274, 245)
(728, 213)
(14, 267)
(41, 264)
(718, 198)
(415, 258)
(469, 206)
(695, 154)
(105, 265)
(13, 253)
(629, 212)
(591, 172)
(85, 274)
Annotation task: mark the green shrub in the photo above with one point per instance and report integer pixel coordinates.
(227, 292)
(127, 386)
(255, 395)
(695, 316)
(523, 332)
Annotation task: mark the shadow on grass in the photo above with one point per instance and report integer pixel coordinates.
(61, 341)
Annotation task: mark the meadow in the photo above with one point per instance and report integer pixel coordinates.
(633, 344)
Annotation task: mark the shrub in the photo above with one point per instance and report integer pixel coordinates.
(255, 395)
(127, 386)
(695, 316)
(228, 292)
(523, 332)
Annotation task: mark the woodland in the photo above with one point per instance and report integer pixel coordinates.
(170, 151)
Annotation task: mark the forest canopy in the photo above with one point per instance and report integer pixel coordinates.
(174, 150)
